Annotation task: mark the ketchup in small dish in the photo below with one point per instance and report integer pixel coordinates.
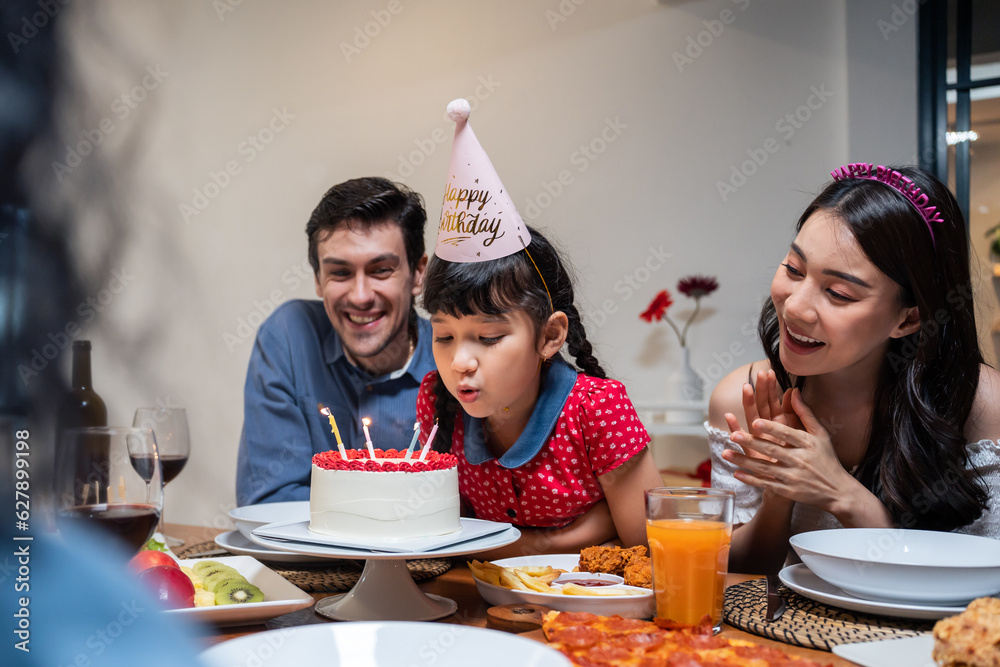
(588, 582)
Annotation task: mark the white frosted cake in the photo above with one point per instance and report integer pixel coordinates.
(388, 497)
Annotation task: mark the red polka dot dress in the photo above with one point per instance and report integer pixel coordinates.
(581, 427)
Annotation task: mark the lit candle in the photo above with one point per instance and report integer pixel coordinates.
(430, 439)
(368, 438)
(413, 443)
(333, 429)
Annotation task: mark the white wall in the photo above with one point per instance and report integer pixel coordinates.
(552, 87)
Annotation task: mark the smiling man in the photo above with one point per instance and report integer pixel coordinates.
(361, 351)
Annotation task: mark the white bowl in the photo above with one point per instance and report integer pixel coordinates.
(897, 565)
(249, 517)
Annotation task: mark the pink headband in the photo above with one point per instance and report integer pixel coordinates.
(896, 181)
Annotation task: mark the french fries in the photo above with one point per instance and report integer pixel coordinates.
(537, 579)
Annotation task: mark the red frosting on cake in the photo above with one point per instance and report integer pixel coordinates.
(358, 459)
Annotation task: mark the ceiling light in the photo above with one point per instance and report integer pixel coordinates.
(958, 137)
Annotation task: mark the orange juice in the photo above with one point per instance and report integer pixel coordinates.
(690, 560)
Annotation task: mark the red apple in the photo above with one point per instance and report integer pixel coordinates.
(169, 585)
(151, 558)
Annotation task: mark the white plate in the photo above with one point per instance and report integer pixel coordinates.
(907, 652)
(504, 537)
(249, 517)
(370, 644)
(298, 531)
(234, 542)
(280, 596)
(804, 581)
(917, 567)
(629, 606)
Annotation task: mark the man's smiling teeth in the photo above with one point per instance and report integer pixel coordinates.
(362, 319)
(804, 339)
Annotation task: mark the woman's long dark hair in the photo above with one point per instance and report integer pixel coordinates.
(916, 458)
(500, 286)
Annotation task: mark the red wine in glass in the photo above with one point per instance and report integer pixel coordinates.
(134, 523)
(108, 478)
(172, 465)
(169, 423)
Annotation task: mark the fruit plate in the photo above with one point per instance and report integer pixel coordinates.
(280, 596)
(628, 606)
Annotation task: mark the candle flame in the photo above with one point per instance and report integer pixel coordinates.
(416, 425)
(366, 421)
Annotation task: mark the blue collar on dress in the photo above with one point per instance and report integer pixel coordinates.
(557, 383)
(419, 363)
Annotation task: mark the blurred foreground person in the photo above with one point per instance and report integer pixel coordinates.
(66, 599)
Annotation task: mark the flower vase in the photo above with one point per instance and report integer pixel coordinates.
(684, 385)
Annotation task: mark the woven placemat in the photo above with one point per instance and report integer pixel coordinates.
(333, 574)
(809, 623)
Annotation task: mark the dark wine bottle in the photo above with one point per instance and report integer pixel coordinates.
(86, 407)
(82, 407)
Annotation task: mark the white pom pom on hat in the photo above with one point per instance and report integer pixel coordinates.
(458, 110)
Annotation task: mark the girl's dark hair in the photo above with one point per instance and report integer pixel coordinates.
(500, 286)
(916, 458)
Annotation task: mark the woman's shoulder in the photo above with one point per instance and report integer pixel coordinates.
(728, 393)
(984, 418)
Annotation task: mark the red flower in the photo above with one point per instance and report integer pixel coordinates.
(696, 287)
(704, 472)
(657, 307)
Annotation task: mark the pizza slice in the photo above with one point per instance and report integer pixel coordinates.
(589, 640)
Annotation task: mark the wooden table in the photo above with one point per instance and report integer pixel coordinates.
(457, 584)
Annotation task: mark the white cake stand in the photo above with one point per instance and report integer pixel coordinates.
(386, 591)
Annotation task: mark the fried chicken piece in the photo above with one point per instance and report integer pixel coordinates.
(972, 638)
(639, 572)
(610, 560)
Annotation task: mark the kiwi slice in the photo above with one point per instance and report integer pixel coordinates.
(207, 568)
(237, 592)
(202, 564)
(213, 581)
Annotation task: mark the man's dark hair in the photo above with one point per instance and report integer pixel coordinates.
(364, 203)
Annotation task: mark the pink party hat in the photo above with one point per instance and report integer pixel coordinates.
(478, 219)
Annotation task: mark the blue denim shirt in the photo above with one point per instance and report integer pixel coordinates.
(297, 362)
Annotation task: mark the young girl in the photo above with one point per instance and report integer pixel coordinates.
(559, 453)
(874, 384)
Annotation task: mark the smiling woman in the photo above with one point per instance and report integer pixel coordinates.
(874, 386)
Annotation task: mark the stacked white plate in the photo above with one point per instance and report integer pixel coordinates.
(894, 572)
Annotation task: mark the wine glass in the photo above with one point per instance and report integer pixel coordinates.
(170, 425)
(110, 478)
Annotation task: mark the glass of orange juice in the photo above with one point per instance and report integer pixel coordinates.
(689, 531)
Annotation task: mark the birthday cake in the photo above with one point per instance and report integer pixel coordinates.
(385, 497)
